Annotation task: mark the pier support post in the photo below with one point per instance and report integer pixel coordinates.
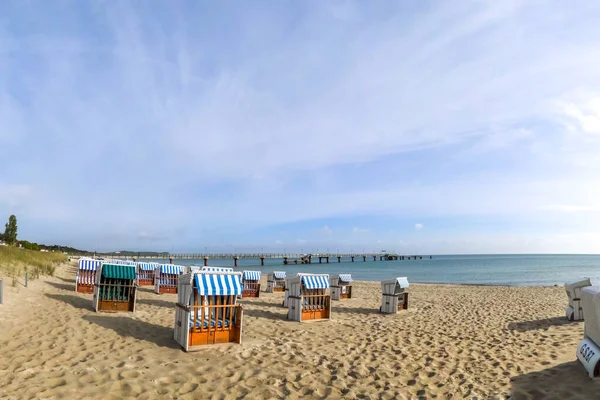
(339, 259)
(327, 258)
(320, 260)
(310, 259)
(206, 261)
(285, 261)
(364, 258)
(235, 261)
(352, 258)
(374, 258)
(262, 261)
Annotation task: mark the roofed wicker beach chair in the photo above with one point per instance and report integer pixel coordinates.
(340, 286)
(308, 299)
(115, 288)
(207, 311)
(394, 296)
(588, 351)
(145, 273)
(166, 277)
(574, 310)
(276, 281)
(251, 284)
(86, 275)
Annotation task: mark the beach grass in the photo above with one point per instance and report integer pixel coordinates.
(15, 262)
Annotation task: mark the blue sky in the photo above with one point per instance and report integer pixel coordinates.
(421, 127)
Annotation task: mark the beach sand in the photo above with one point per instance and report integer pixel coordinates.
(453, 342)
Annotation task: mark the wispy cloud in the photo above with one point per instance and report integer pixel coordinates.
(569, 208)
(150, 116)
(418, 226)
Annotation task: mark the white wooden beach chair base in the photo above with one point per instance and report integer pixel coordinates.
(588, 355)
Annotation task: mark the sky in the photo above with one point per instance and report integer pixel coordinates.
(422, 127)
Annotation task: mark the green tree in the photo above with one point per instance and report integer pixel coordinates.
(10, 230)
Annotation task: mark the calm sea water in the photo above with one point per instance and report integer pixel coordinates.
(518, 270)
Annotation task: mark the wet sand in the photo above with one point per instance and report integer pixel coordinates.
(453, 342)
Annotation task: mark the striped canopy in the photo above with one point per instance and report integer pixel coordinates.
(315, 281)
(171, 269)
(252, 275)
(116, 271)
(87, 264)
(217, 269)
(279, 274)
(345, 278)
(218, 284)
(147, 266)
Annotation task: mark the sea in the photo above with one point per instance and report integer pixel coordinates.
(512, 270)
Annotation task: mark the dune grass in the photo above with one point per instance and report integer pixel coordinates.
(15, 262)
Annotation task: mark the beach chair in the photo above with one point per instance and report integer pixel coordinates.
(166, 277)
(251, 284)
(207, 312)
(574, 310)
(145, 273)
(394, 297)
(115, 289)
(86, 275)
(308, 299)
(276, 281)
(340, 286)
(588, 352)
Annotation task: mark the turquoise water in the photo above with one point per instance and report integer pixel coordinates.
(518, 270)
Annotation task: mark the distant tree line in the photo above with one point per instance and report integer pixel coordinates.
(10, 237)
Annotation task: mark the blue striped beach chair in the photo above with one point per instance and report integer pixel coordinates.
(207, 311)
(308, 299)
(86, 275)
(276, 281)
(251, 284)
(166, 278)
(145, 273)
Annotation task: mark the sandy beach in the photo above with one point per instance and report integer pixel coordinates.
(454, 342)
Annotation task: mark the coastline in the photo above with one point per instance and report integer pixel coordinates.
(454, 340)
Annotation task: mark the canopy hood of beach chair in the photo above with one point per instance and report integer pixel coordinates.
(219, 284)
(114, 271)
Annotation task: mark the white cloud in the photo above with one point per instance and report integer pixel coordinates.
(570, 208)
(326, 230)
(418, 226)
(278, 242)
(359, 230)
(300, 241)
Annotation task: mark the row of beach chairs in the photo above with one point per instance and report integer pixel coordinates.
(207, 311)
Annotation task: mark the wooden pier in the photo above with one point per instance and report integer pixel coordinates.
(288, 258)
